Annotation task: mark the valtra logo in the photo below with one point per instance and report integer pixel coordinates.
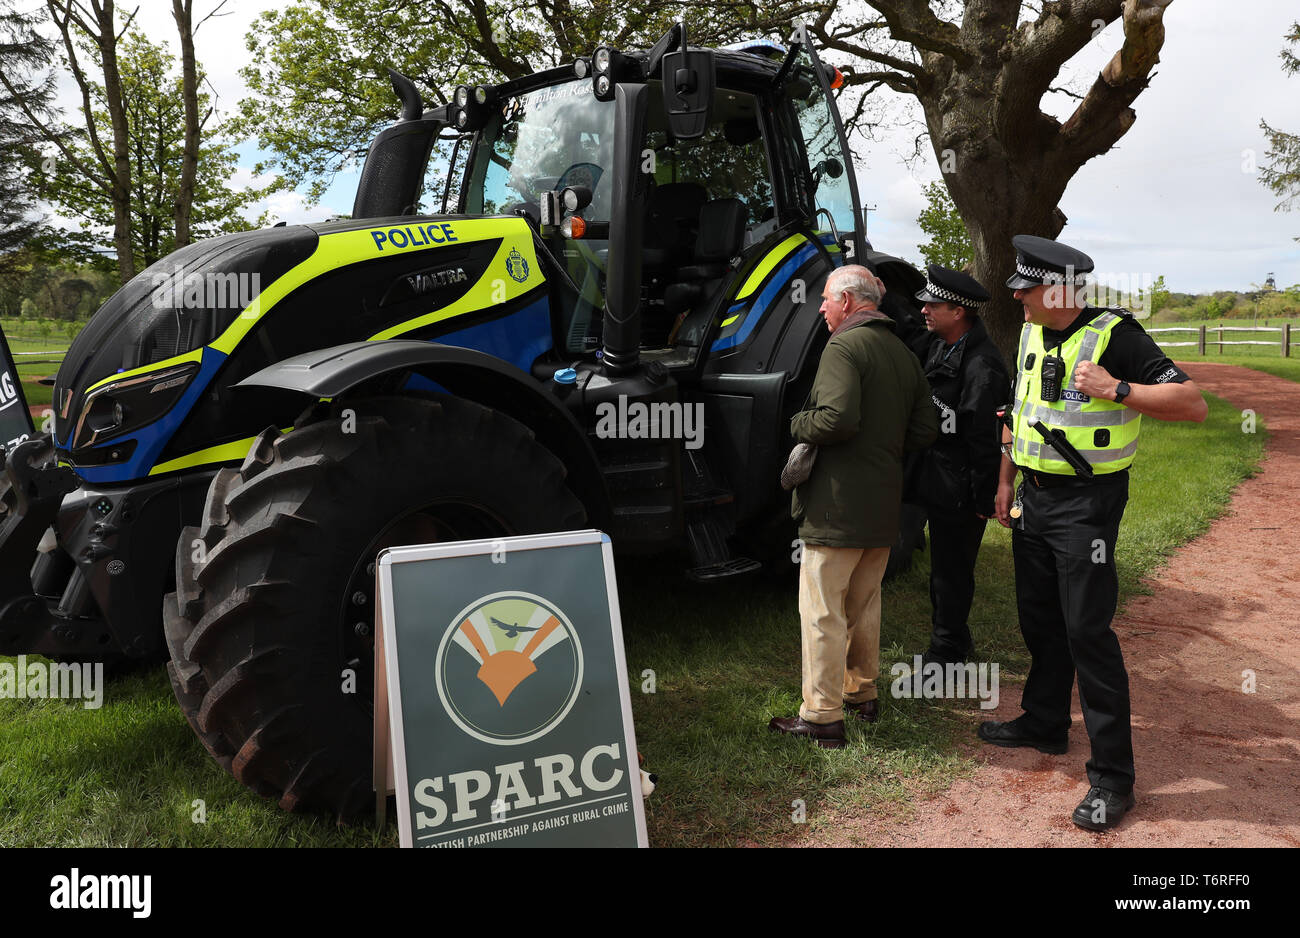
(509, 668)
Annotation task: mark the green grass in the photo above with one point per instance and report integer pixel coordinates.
(725, 660)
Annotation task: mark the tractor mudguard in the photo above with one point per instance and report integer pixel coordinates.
(362, 367)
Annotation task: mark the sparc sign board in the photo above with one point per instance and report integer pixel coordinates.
(503, 688)
(15, 421)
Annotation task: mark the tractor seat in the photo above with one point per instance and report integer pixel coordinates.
(721, 238)
(670, 227)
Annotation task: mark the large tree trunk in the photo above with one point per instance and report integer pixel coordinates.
(980, 82)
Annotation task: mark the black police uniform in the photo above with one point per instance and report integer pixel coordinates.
(1066, 587)
(956, 480)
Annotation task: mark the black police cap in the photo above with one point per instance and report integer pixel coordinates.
(951, 286)
(1042, 260)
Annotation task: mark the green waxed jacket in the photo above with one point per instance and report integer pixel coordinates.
(870, 404)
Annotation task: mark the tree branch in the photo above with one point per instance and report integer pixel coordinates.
(913, 21)
(97, 147)
(1041, 47)
(1104, 115)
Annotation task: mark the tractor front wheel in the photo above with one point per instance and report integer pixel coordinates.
(270, 627)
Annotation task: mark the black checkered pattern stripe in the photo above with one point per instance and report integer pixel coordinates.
(935, 290)
(1049, 276)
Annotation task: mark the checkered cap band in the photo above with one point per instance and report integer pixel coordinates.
(950, 296)
(1047, 276)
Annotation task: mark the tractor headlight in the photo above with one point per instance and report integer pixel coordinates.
(601, 60)
(602, 86)
(481, 95)
(462, 96)
(116, 408)
(462, 119)
(581, 68)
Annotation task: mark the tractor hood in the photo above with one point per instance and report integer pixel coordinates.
(165, 315)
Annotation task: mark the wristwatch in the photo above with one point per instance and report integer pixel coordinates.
(1122, 391)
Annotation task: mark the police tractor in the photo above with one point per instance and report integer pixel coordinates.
(639, 236)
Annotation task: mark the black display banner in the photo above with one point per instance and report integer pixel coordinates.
(15, 420)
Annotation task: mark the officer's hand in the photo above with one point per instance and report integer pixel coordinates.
(1002, 503)
(1095, 381)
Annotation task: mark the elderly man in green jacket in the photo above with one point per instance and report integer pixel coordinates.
(870, 404)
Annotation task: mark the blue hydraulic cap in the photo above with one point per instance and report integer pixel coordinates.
(566, 376)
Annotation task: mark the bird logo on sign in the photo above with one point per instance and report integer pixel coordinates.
(509, 668)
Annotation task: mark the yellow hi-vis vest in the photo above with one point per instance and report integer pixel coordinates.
(1105, 433)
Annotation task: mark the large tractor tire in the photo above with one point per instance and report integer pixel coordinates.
(275, 591)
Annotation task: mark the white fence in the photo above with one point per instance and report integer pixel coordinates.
(1283, 342)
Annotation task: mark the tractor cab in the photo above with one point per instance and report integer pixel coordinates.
(715, 157)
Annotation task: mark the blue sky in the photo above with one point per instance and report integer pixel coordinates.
(1177, 197)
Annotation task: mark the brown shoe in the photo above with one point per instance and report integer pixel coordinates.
(868, 711)
(826, 735)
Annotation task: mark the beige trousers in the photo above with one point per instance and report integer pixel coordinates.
(839, 612)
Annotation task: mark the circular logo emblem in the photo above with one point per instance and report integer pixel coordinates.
(509, 668)
(516, 266)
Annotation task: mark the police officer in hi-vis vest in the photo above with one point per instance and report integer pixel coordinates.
(1090, 375)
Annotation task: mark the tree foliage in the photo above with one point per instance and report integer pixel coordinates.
(949, 244)
(25, 85)
(1282, 175)
(155, 129)
(318, 82)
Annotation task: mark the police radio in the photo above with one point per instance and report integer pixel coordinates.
(1049, 389)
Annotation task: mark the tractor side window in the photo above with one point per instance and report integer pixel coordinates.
(444, 175)
(822, 165)
(728, 162)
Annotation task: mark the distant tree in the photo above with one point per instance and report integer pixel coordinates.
(949, 243)
(153, 110)
(1282, 175)
(26, 86)
(1156, 297)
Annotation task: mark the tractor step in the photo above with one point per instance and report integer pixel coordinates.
(707, 534)
(720, 571)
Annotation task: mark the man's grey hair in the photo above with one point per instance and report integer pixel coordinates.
(857, 281)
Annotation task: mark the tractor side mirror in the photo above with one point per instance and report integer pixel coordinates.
(831, 167)
(688, 92)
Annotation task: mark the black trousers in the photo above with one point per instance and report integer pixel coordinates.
(955, 538)
(1066, 592)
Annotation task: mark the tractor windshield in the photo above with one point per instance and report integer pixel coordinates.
(547, 139)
